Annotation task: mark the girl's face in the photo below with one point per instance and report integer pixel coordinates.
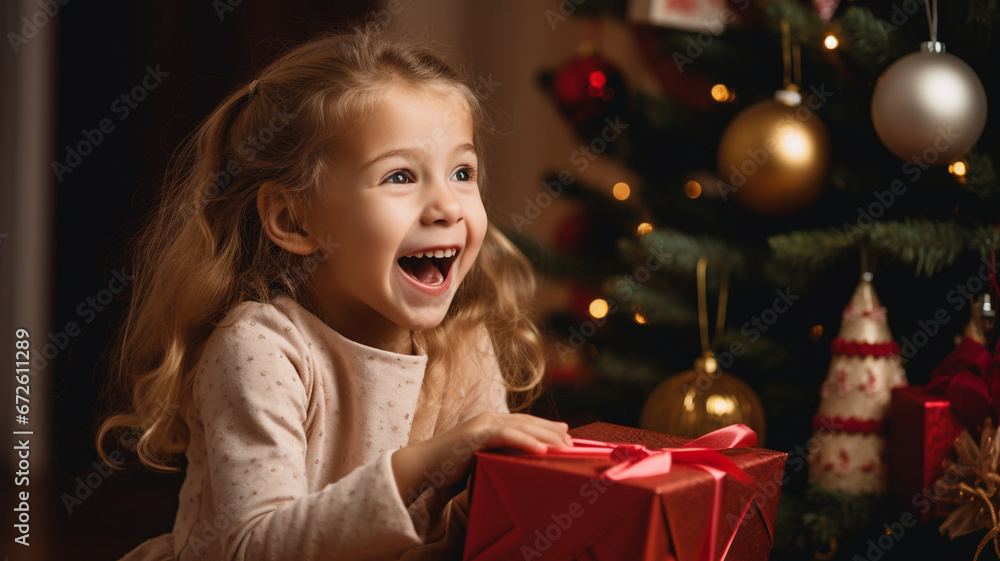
(401, 212)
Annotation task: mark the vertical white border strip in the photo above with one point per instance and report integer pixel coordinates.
(28, 106)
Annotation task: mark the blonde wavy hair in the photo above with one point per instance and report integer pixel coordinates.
(205, 250)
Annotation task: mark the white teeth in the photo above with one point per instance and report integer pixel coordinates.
(439, 253)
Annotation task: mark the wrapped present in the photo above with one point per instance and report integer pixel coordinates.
(627, 494)
(925, 421)
(923, 432)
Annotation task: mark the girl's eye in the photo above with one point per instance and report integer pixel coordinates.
(465, 174)
(398, 176)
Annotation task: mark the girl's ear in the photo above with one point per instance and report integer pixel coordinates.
(278, 215)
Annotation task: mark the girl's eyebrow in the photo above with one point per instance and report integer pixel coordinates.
(390, 154)
(467, 147)
(404, 152)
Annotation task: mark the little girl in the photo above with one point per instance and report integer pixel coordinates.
(323, 322)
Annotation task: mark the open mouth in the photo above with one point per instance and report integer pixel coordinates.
(430, 267)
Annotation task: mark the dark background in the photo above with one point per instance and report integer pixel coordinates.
(104, 50)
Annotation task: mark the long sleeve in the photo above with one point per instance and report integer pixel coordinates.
(253, 389)
(486, 391)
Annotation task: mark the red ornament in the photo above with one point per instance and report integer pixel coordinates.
(587, 90)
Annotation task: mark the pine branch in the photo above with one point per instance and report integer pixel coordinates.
(833, 514)
(661, 307)
(803, 20)
(628, 370)
(810, 249)
(872, 42)
(683, 251)
(981, 178)
(930, 246)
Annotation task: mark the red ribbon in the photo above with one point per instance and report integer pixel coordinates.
(970, 377)
(635, 461)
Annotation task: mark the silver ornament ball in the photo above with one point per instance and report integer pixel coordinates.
(929, 106)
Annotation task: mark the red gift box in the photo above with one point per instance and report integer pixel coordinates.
(923, 430)
(668, 498)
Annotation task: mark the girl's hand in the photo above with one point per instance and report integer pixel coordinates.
(445, 458)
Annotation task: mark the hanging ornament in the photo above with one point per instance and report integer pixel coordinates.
(589, 89)
(692, 15)
(774, 155)
(982, 318)
(696, 402)
(849, 427)
(826, 8)
(929, 107)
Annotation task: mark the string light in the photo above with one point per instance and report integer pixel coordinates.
(722, 94)
(958, 168)
(597, 81)
(644, 228)
(621, 191)
(815, 333)
(830, 41)
(599, 308)
(639, 318)
(692, 189)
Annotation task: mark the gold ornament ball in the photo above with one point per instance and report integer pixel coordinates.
(773, 157)
(695, 403)
(929, 105)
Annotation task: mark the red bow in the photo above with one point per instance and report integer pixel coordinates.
(970, 377)
(634, 461)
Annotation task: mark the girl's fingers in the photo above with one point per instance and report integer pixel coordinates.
(522, 431)
(516, 438)
(557, 431)
(548, 432)
(553, 434)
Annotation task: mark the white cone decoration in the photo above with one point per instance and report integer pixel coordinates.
(849, 428)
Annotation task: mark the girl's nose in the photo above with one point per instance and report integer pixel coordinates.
(442, 205)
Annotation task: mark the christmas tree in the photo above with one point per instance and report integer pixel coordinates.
(854, 155)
